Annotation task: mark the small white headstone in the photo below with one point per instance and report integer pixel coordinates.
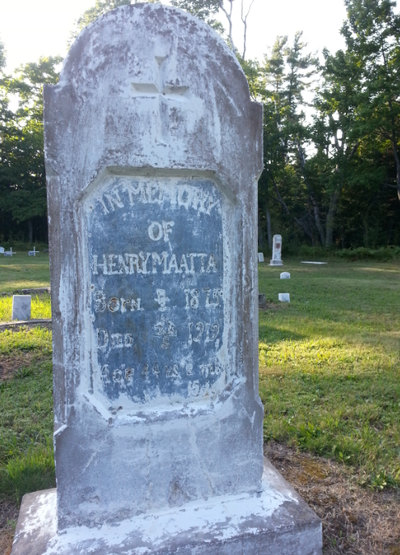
(284, 297)
(285, 275)
(21, 307)
(260, 257)
(1, 250)
(276, 251)
(32, 253)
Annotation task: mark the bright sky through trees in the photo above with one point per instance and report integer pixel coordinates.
(30, 29)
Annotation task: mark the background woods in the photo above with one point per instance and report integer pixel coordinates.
(331, 130)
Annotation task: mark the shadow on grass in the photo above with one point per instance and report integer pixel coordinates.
(269, 334)
(31, 471)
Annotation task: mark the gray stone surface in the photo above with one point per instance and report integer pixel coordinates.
(21, 307)
(261, 257)
(276, 251)
(284, 297)
(153, 228)
(275, 522)
(285, 275)
(152, 225)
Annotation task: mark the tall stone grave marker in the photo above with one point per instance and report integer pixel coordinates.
(153, 228)
(276, 251)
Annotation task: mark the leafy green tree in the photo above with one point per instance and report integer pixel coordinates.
(2, 57)
(336, 132)
(372, 34)
(22, 174)
(357, 123)
(206, 10)
(286, 73)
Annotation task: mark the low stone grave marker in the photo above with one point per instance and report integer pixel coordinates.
(261, 257)
(285, 275)
(316, 263)
(33, 253)
(2, 250)
(284, 297)
(153, 151)
(21, 307)
(9, 253)
(276, 251)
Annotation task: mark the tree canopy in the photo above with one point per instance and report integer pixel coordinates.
(331, 130)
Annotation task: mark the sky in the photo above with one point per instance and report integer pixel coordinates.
(33, 28)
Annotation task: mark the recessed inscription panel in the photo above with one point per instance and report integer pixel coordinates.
(157, 302)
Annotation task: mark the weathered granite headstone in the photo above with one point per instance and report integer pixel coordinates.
(21, 307)
(153, 227)
(276, 251)
(1, 250)
(285, 275)
(261, 257)
(284, 297)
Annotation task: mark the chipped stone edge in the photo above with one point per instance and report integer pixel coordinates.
(277, 519)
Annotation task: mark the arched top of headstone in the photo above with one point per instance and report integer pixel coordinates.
(148, 85)
(127, 36)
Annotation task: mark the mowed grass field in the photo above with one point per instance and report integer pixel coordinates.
(24, 272)
(330, 364)
(329, 371)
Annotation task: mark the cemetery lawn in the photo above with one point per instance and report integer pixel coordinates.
(330, 364)
(26, 412)
(329, 373)
(23, 272)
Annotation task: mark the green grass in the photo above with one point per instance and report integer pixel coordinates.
(330, 364)
(26, 414)
(329, 373)
(24, 272)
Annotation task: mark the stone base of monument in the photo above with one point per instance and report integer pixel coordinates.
(276, 263)
(275, 521)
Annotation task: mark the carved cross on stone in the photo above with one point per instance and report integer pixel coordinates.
(166, 92)
(160, 87)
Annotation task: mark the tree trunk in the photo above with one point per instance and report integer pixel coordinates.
(330, 218)
(30, 232)
(396, 158)
(260, 234)
(366, 232)
(269, 232)
(244, 20)
(317, 219)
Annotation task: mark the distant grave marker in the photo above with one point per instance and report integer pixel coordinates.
(276, 251)
(21, 307)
